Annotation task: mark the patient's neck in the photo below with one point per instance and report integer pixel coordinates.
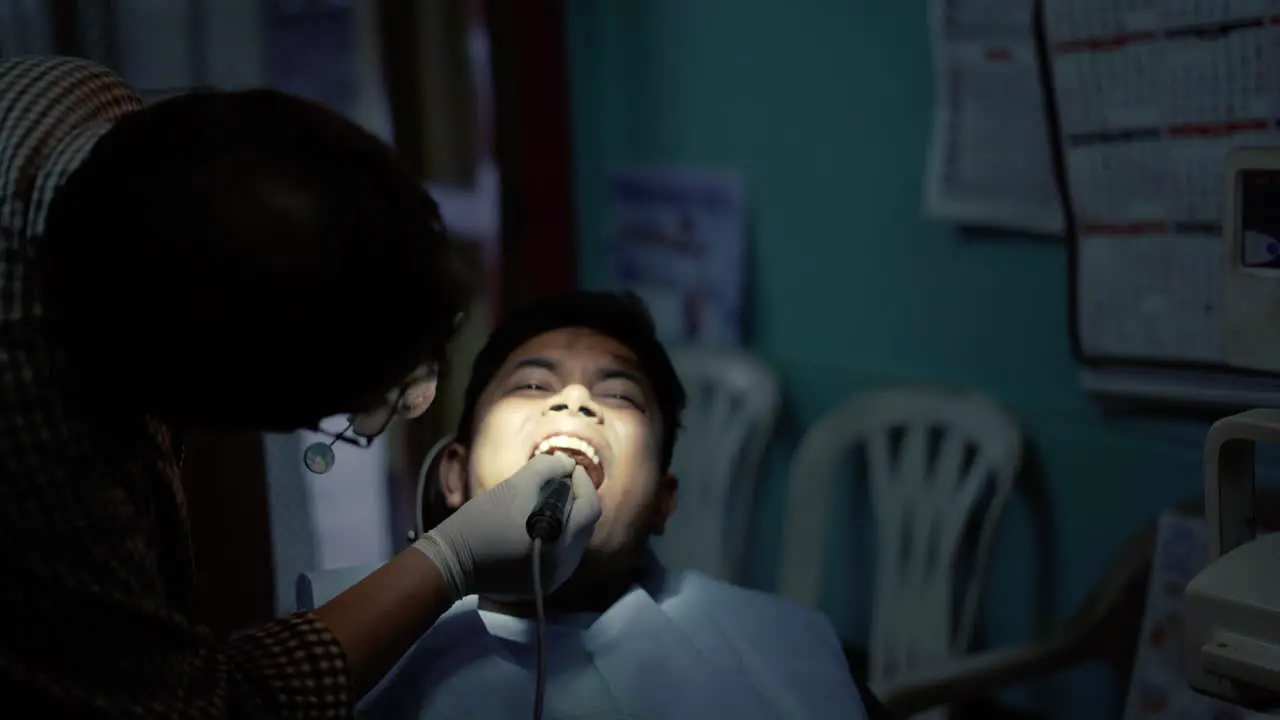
(592, 589)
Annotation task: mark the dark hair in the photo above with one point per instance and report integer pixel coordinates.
(621, 316)
(247, 260)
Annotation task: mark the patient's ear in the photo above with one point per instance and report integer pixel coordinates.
(668, 490)
(453, 475)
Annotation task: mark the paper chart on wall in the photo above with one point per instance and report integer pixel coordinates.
(1150, 98)
(678, 239)
(989, 161)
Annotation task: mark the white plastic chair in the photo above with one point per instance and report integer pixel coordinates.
(733, 405)
(318, 587)
(938, 464)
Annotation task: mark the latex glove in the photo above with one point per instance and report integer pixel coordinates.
(484, 549)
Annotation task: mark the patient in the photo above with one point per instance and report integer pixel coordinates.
(584, 374)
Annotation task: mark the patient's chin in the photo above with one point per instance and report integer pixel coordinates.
(594, 588)
(601, 565)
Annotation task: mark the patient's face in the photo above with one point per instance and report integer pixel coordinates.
(581, 390)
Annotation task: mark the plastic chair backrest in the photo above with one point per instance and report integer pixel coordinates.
(734, 399)
(940, 468)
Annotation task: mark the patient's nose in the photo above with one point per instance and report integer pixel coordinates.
(574, 399)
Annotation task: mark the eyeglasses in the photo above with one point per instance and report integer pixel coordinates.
(363, 429)
(360, 431)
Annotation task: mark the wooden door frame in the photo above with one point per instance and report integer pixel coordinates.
(224, 478)
(534, 148)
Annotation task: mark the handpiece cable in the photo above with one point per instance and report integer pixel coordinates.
(545, 524)
(540, 688)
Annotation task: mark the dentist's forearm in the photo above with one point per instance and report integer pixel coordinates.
(377, 620)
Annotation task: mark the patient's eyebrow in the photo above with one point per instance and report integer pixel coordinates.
(609, 372)
(616, 373)
(537, 363)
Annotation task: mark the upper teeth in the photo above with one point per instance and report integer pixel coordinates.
(568, 442)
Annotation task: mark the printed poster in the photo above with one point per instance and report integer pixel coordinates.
(678, 238)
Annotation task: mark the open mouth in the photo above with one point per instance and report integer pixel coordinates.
(581, 451)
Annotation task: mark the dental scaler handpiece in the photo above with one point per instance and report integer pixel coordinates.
(549, 516)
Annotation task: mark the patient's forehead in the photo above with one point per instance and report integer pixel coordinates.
(575, 348)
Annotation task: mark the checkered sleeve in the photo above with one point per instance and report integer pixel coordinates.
(96, 571)
(82, 648)
(296, 668)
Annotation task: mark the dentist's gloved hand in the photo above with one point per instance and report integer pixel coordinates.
(484, 549)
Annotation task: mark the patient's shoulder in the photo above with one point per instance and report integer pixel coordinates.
(448, 645)
(460, 618)
(695, 583)
(747, 607)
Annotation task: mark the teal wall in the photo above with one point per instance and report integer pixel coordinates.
(825, 104)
